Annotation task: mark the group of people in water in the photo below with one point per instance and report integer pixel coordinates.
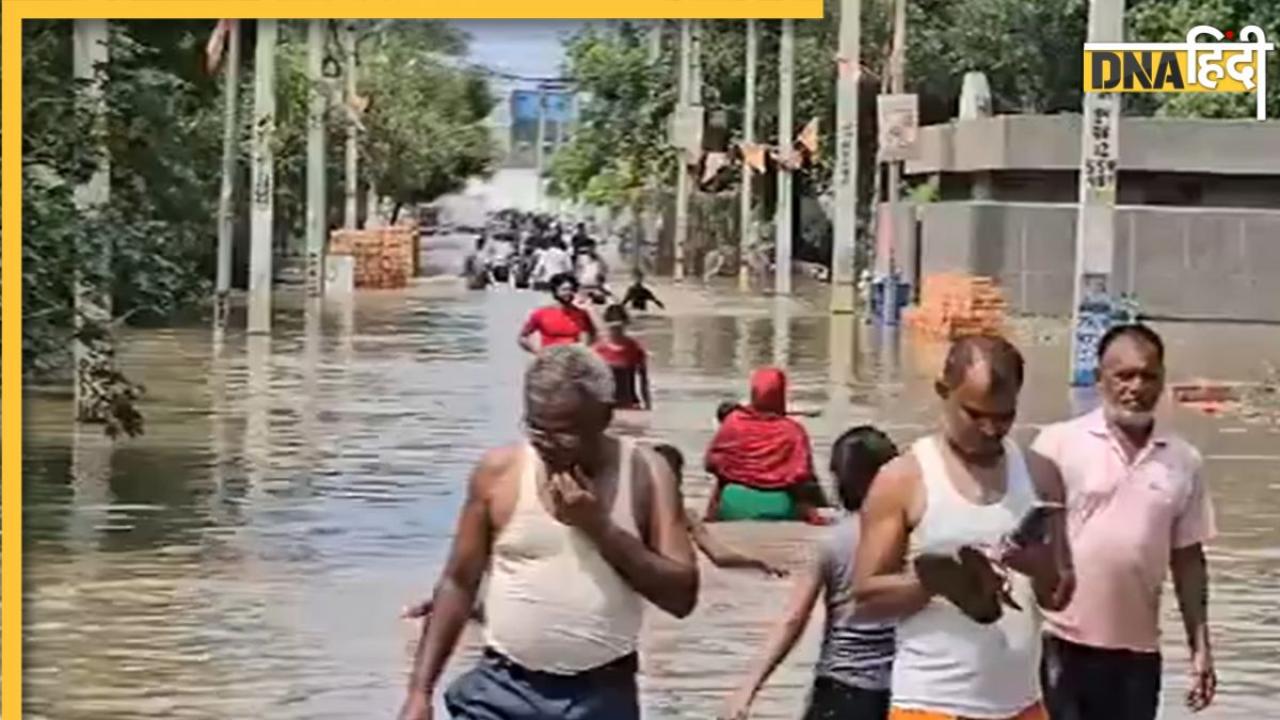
(964, 577)
(529, 251)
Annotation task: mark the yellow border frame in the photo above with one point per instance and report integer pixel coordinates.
(15, 11)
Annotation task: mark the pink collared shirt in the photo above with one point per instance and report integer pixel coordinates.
(1124, 520)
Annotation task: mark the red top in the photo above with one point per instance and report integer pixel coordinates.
(624, 357)
(759, 446)
(558, 324)
(626, 353)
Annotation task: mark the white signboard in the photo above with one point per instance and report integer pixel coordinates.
(899, 119)
(686, 128)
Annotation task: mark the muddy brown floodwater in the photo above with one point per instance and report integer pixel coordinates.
(248, 556)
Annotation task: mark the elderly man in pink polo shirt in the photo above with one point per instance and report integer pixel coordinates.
(1137, 506)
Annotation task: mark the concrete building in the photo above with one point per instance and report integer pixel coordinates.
(1197, 223)
(513, 127)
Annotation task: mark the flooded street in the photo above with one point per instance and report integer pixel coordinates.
(248, 557)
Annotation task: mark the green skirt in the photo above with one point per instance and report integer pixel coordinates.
(739, 502)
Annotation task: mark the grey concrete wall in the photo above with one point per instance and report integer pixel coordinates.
(1052, 142)
(1136, 188)
(1178, 262)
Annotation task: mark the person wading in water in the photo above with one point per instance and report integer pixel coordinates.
(627, 359)
(559, 323)
(851, 679)
(1138, 509)
(936, 523)
(577, 530)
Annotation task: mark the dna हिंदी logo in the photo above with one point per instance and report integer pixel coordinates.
(1239, 66)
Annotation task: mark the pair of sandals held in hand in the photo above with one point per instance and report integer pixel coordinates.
(971, 580)
(976, 581)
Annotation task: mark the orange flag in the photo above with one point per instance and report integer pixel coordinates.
(753, 156)
(217, 43)
(809, 137)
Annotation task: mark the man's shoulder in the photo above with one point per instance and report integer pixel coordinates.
(1187, 455)
(1079, 423)
(498, 465)
(900, 477)
(1048, 441)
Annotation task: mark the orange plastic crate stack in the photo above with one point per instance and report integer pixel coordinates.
(953, 304)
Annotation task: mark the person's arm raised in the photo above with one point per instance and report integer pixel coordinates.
(665, 570)
(885, 586)
(456, 590)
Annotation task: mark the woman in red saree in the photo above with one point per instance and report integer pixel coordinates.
(762, 460)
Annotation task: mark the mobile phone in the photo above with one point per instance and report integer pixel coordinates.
(1034, 526)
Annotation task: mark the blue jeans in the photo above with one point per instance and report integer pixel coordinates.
(498, 688)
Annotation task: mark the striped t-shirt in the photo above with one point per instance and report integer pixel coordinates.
(853, 653)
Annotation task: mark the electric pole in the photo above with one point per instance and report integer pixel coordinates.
(786, 147)
(1092, 302)
(317, 199)
(90, 51)
(350, 216)
(747, 229)
(897, 80)
(845, 228)
(227, 193)
(262, 214)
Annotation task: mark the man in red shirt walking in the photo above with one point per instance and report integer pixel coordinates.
(560, 323)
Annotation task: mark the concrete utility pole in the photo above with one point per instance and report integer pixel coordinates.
(227, 193)
(90, 50)
(897, 80)
(845, 231)
(539, 156)
(686, 96)
(747, 229)
(786, 130)
(262, 214)
(317, 198)
(654, 195)
(1095, 226)
(350, 216)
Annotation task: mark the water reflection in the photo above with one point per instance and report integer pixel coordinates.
(248, 556)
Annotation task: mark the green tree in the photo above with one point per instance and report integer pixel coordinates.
(1169, 21)
(163, 133)
(425, 125)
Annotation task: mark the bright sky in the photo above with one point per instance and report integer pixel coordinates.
(521, 47)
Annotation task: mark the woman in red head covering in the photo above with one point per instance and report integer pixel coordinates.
(762, 460)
